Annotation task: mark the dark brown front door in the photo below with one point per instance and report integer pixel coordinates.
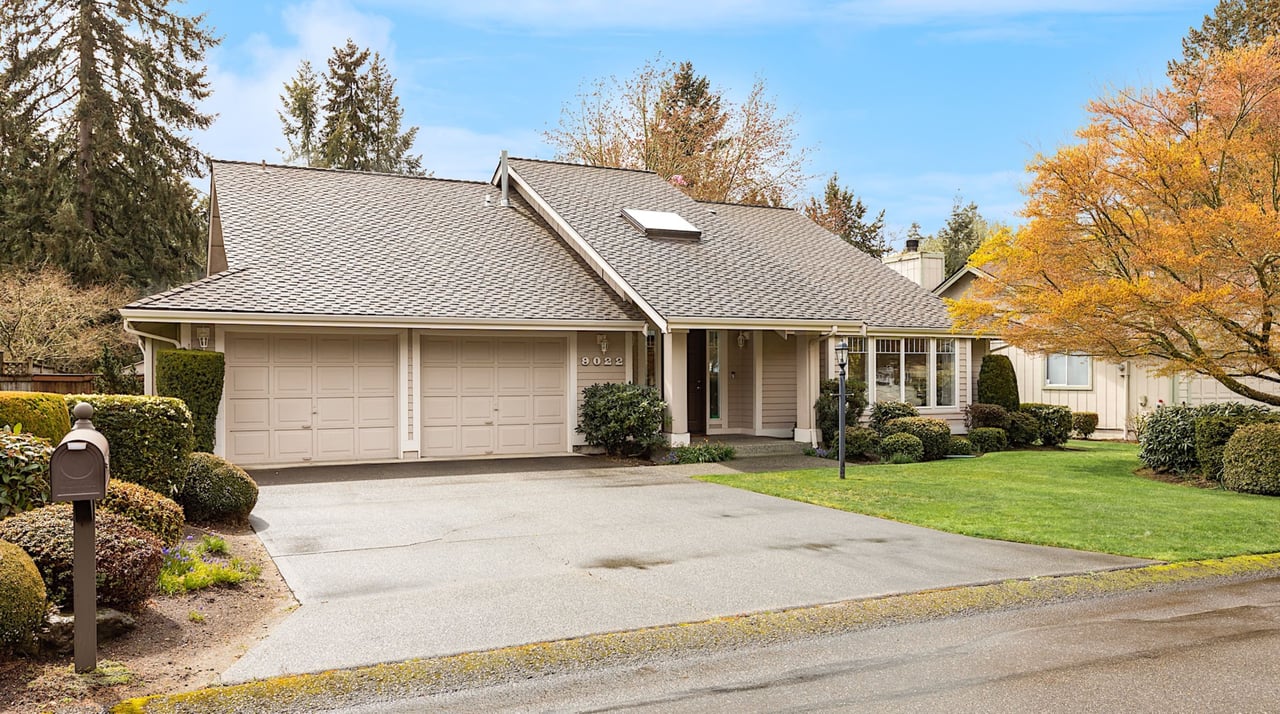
(697, 379)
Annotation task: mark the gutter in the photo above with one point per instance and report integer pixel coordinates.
(129, 329)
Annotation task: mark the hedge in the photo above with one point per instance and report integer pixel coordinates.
(1169, 437)
(24, 472)
(1055, 422)
(860, 442)
(1084, 423)
(986, 416)
(1213, 431)
(159, 516)
(195, 377)
(934, 434)
(987, 439)
(1251, 460)
(1024, 429)
(997, 383)
(150, 438)
(44, 415)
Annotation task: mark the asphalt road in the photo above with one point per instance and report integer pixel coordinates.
(1204, 649)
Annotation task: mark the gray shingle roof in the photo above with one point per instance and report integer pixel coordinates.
(751, 263)
(320, 242)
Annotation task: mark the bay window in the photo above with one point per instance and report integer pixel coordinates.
(920, 371)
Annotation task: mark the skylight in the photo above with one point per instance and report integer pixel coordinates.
(661, 224)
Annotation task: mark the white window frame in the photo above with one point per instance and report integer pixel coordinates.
(932, 406)
(1068, 386)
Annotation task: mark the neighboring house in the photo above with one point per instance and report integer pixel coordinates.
(1115, 391)
(380, 317)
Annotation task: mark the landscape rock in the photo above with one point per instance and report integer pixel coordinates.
(58, 635)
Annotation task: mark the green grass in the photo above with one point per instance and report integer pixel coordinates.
(198, 565)
(1086, 497)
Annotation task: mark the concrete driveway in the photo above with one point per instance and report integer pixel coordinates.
(417, 560)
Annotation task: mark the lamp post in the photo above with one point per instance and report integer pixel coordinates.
(842, 360)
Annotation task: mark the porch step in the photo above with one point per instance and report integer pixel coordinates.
(771, 447)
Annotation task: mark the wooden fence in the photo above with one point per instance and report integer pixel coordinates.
(37, 377)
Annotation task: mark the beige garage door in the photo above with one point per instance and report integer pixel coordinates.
(308, 398)
(493, 395)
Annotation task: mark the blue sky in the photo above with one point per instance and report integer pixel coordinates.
(911, 101)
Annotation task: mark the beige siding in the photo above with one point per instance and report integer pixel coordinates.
(779, 382)
(1106, 397)
(741, 380)
(595, 371)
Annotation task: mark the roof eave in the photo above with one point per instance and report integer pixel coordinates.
(283, 319)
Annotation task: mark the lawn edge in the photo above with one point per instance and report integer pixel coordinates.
(420, 677)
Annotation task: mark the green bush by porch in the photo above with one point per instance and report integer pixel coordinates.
(1084, 497)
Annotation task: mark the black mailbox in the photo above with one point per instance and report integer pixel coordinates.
(81, 465)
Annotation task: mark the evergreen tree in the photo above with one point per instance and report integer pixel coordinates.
(844, 214)
(1234, 23)
(98, 98)
(963, 233)
(350, 121)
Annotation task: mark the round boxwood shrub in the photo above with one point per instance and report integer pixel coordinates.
(195, 377)
(988, 439)
(44, 415)
(884, 412)
(1213, 431)
(861, 442)
(827, 407)
(22, 598)
(1169, 436)
(902, 448)
(1055, 422)
(960, 446)
(1083, 424)
(986, 416)
(997, 383)
(24, 472)
(1024, 430)
(934, 434)
(150, 437)
(128, 558)
(624, 419)
(217, 490)
(1251, 460)
(148, 510)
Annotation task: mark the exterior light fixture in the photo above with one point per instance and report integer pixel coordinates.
(842, 361)
(603, 341)
(742, 339)
(202, 337)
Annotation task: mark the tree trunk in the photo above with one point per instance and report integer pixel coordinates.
(84, 117)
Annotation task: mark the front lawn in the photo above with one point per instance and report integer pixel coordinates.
(1085, 497)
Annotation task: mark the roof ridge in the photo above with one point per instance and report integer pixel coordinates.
(357, 172)
(583, 166)
(744, 205)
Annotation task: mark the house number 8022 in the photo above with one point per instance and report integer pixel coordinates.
(597, 361)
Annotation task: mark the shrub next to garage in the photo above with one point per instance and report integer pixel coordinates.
(934, 434)
(217, 490)
(986, 416)
(195, 377)
(150, 438)
(623, 419)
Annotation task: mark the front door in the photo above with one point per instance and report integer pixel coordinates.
(697, 380)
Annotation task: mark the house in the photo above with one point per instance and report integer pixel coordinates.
(1116, 391)
(369, 317)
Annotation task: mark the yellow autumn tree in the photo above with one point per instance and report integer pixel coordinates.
(1156, 237)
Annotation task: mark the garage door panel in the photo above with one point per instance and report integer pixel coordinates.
(440, 411)
(476, 351)
(515, 410)
(336, 444)
(548, 437)
(249, 446)
(248, 381)
(292, 380)
(440, 441)
(477, 380)
(548, 380)
(549, 352)
(376, 411)
(514, 352)
(515, 439)
(440, 349)
(436, 379)
(377, 350)
(514, 379)
(288, 348)
(335, 350)
(248, 349)
(292, 445)
(249, 414)
(335, 411)
(291, 413)
(335, 379)
(476, 409)
(476, 439)
(548, 410)
(376, 379)
(376, 443)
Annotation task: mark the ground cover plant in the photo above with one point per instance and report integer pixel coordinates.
(1086, 497)
(195, 565)
(701, 453)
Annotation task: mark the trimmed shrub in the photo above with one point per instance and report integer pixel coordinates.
(960, 446)
(986, 416)
(1213, 431)
(22, 598)
(1055, 422)
(902, 448)
(987, 439)
(24, 472)
(44, 415)
(195, 377)
(1024, 430)
(217, 490)
(1169, 437)
(861, 442)
(624, 419)
(1083, 424)
(934, 434)
(159, 516)
(150, 437)
(1251, 460)
(703, 453)
(128, 558)
(884, 412)
(826, 408)
(997, 383)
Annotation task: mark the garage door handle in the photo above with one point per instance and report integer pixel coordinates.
(306, 426)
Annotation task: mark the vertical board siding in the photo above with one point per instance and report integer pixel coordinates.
(779, 382)
(741, 382)
(1106, 397)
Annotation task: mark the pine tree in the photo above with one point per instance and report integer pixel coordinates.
(345, 133)
(389, 147)
(844, 214)
(104, 94)
(301, 116)
(1234, 23)
(963, 233)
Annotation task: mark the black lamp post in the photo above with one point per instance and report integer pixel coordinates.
(842, 360)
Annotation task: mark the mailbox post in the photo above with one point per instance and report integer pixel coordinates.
(78, 472)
